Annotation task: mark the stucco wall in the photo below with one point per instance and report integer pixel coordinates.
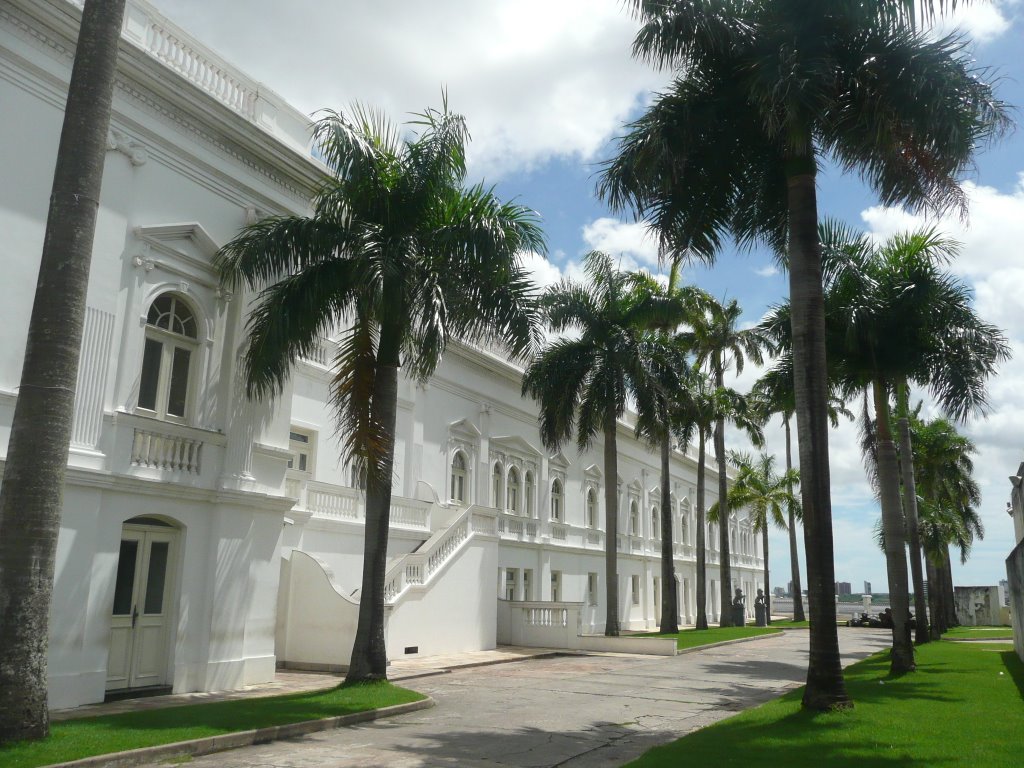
(977, 606)
(1015, 576)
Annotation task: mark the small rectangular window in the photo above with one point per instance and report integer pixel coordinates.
(302, 445)
(592, 589)
(636, 590)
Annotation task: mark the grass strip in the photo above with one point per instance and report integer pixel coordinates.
(75, 739)
(963, 706)
(690, 638)
(979, 633)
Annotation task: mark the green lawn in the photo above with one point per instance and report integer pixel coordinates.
(963, 706)
(979, 633)
(689, 638)
(74, 739)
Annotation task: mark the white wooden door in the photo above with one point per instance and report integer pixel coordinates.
(140, 615)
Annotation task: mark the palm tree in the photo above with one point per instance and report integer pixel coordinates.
(33, 481)
(765, 494)
(773, 393)
(766, 88)
(895, 317)
(718, 343)
(584, 384)
(654, 424)
(948, 500)
(694, 412)
(404, 257)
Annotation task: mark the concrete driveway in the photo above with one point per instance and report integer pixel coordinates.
(563, 711)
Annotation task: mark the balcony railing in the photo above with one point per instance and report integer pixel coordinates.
(162, 450)
(337, 502)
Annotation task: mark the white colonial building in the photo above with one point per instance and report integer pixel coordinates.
(206, 540)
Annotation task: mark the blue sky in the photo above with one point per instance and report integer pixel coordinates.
(547, 86)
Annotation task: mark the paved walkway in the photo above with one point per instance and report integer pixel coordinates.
(290, 681)
(562, 711)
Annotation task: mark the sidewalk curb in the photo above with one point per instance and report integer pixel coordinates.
(211, 744)
(472, 665)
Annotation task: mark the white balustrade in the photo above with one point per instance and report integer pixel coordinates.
(559, 532)
(547, 616)
(409, 513)
(595, 538)
(167, 451)
(322, 353)
(334, 502)
(515, 527)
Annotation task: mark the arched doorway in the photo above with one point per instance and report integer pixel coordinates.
(141, 616)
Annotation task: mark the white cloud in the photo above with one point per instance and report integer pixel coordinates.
(769, 270)
(983, 22)
(535, 79)
(632, 240)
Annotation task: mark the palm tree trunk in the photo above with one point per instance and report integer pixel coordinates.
(767, 589)
(794, 553)
(33, 482)
(702, 570)
(724, 558)
(937, 625)
(910, 509)
(611, 528)
(902, 658)
(669, 600)
(369, 649)
(946, 584)
(826, 688)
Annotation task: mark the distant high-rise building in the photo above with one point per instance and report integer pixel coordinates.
(789, 588)
(843, 588)
(1004, 591)
(779, 592)
(867, 587)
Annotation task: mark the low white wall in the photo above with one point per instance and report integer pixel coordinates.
(558, 625)
(316, 622)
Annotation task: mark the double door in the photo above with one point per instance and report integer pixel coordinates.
(140, 619)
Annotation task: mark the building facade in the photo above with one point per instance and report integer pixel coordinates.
(207, 539)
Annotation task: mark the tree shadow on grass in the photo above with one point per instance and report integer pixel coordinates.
(1015, 668)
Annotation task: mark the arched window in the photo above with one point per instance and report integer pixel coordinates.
(684, 521)
(591, 508)
(634, 519)
(458, 479)
(655, 523)
(732, 539)
(556, 500)
(496, 484)
(512, 491)
(165, 386)
(528, 494)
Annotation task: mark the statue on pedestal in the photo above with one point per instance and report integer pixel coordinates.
(761, 609)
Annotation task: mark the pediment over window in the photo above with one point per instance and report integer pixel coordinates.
(593, 472)
(464, 428)
(515, 444)
(184, 249)
(559, 460)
